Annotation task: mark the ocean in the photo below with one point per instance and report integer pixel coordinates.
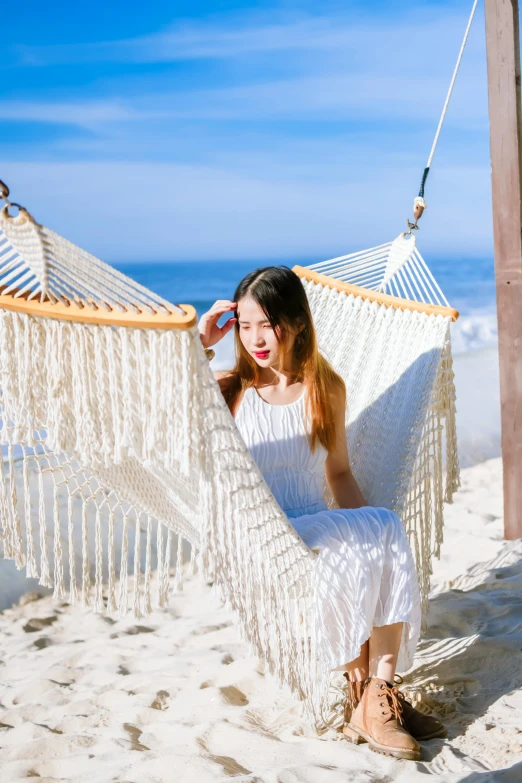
(469, 286)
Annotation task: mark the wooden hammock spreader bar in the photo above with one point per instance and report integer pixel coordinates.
(100, 316)
(375, 296)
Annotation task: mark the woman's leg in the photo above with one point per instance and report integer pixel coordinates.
(378, 716)
(378, 656)
(358, 669)
(385, 642)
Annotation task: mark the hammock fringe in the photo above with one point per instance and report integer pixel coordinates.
(120, 456)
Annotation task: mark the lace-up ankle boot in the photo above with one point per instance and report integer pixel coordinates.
(354, 692)
(422, 727)
(378, 720)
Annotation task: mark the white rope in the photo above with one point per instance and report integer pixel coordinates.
(42, 262)
(399, 271)
(452, 84)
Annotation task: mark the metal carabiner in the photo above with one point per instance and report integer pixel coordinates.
(4, 190)
(419, 206)
(411, 227)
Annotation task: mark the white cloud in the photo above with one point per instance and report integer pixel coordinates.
(315, 155)
(323, 99)
(413, 28)
(166, 211)
(328, 98)
(325, 68)
(196, 40)
(85, 114)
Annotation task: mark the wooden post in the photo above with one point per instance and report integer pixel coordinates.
(503, 58)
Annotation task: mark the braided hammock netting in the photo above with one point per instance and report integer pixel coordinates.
(121, 457)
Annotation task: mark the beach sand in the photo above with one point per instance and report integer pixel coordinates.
(176, 697)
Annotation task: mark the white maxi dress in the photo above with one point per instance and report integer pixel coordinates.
(364, 573)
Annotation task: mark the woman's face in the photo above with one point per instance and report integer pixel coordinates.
(258, 337)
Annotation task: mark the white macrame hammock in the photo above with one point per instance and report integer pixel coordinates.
(120, 454)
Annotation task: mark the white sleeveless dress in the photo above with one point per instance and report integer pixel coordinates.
(364, 573)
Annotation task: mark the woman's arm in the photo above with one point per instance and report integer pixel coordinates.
(209, 331)
(341, 480)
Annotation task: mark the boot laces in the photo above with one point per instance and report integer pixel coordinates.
(393, 700)
(398, 680)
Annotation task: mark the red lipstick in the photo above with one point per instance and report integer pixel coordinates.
(261, 354)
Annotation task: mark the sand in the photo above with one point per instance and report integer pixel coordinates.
(176, 697)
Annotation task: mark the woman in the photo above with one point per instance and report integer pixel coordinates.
(289, 405)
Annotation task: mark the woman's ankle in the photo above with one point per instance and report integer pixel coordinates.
(353, 679)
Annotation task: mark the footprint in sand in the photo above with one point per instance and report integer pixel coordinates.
(204, 629)
(42, 642)
(160, 702)
(135, 734)
(230, 766)
(39, 623)
(133, 631)
(45, 726)
(233, 695)
(231, 652)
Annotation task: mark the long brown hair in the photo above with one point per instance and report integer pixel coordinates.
(280, 295)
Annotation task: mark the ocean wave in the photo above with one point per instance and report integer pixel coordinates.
(474, 330)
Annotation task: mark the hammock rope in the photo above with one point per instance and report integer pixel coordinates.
(419, 203)
(448, 96)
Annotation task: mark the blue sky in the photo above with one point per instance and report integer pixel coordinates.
(162, 131)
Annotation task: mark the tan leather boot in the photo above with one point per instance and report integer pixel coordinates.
(422, 727)
(354, 692)
(377, 719)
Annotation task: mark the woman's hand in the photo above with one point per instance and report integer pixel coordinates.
(209, 332)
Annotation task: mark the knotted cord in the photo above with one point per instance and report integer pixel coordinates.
(419, 204)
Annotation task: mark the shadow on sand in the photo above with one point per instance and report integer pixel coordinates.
(471, 657)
